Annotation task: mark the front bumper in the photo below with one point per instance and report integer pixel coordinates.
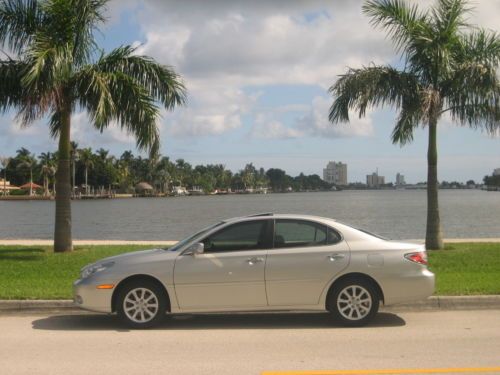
(88, 297)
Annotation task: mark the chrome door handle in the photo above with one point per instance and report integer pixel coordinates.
(254, 260)
(334, 257)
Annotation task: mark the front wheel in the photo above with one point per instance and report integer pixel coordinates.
(354, 302)
(141, 304)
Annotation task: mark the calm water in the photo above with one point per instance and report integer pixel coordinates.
(398, 214)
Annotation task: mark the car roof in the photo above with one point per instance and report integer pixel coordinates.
(278, 216)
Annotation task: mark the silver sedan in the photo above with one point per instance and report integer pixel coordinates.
(260, 263)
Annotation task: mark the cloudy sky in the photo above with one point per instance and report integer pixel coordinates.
(258, 74)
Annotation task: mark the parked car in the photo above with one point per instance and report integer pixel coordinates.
(259, 263)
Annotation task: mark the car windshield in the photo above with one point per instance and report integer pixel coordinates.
(183, 242)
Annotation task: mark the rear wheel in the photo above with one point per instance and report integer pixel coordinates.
(141, 304)
(354, 302)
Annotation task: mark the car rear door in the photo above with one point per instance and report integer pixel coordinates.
(230, 272)
(306, 256)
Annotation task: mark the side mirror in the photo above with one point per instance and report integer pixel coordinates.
(195, 249)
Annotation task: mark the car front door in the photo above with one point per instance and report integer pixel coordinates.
(305, 257)
(229, 274)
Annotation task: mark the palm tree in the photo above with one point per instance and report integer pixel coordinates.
(87, 158)
(57, 68)
(28, 163)
(448, 67)
(4, 162)
(46, 159)
(74, 156)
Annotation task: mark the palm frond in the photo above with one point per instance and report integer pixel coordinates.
(88, 15)
(409, 118)
(403, 22)
(115, 96)
(160, 81)
(19, 21)
(11, 90)
(371, 86)
(449, 16)
(479, 46)
(473, 97)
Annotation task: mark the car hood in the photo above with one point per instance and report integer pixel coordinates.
(141, 256)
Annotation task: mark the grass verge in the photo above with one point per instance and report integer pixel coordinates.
(35, 272)
(466, 269)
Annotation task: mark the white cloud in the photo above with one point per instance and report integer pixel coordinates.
(300, 42)
(316, 122)
(210, 111)
(237, 44)
(272, 129)
(222, 48)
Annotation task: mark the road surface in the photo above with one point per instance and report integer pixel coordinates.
(248, 343)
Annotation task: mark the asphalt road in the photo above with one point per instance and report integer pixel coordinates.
(247, 343)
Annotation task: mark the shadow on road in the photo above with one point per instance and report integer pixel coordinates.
(88, 322)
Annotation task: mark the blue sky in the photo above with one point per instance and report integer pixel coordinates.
(258, 76)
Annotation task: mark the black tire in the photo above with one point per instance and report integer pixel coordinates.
(354, 302)
(146, 314)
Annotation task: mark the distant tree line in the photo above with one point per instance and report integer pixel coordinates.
(95, 169)
(493, 180)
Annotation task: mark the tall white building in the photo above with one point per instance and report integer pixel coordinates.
(335, 173)
(374, 180)
(400, 179)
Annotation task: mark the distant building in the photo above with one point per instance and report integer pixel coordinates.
(400, 179)
(6, 187)
(496, 172)
(335, 173)
(374, 180)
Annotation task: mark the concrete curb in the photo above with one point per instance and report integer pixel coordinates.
(444, 303)
(435, 303)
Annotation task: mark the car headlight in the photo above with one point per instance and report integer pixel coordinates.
(94, 268)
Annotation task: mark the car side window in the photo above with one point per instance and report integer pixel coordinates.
(299, 233)
(249, 235)
(333, 236)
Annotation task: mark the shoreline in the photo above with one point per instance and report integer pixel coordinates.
(128, 196)
(91, 242)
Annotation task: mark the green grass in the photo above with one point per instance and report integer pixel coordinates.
(35, 272)
(467, 269)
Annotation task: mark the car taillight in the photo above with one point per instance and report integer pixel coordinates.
(418, 257)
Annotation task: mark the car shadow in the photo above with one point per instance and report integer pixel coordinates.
(294, 320)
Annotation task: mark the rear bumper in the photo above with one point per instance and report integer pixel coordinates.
(88, 297)
(409, 287)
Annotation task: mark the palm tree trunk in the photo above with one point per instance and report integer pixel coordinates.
(433, 236)
(31, 182)
(62, 230)
(86, 180)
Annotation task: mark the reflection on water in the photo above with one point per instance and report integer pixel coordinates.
(398, 214)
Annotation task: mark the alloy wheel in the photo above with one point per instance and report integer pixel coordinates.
(354, 302)
(140, 305)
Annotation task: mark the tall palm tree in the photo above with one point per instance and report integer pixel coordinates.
(448, 67)
(4, 162)
(87, 158)
(57, 68)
